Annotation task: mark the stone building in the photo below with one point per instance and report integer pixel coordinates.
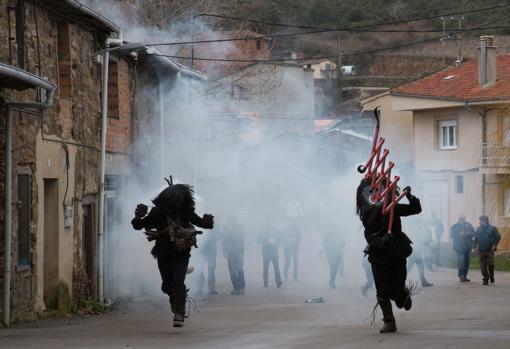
(49, 55)
(55, 152)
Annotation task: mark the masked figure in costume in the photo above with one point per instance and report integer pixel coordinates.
(387, 250)
(171, 224)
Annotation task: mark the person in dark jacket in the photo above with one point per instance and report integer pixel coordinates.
(334, 245)
(233, 251)
(437, 225)
(177, 204)
(486, 241)
(462, 234)
(207, 252)
(387, 251)
(422, 238)
(369, 283)
(291, 242)
(269, 243)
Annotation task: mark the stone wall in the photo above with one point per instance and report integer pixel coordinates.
(63, 52)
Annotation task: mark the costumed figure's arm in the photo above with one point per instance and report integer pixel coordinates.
(376, 230)
(414, 206)
(149, 222)
(205, 222)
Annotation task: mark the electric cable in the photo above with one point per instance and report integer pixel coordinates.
(271, 36)
(233, 60)
(352, 27)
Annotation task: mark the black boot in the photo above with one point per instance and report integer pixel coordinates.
(408, 302)
(179, 319)
(491, 273)
(425, 283)
(389, 325)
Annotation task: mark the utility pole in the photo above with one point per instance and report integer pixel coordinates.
(443, 39)
(194, 115)
(339, 51)
(339, 76)
(459, 41)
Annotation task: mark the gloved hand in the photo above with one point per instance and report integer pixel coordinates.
(408, 192)
(208, 220)
(151, 234)
(387, 238)
(141, 210)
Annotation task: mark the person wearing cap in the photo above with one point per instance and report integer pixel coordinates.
(486, 242)
(462, 234)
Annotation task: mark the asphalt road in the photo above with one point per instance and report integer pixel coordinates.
(447, 315)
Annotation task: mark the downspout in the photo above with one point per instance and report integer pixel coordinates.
(484, 143)
(104, 124)
(50, 90)
(161, 130)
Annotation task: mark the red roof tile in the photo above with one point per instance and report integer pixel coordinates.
(461, 83)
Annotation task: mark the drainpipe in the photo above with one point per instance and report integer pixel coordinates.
(483, 115)
(50, 89)
(122, 48)
(104, 123)
(161, 131)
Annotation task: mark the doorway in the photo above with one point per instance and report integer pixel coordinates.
(435, 200)
(89, 248)
(51, 241)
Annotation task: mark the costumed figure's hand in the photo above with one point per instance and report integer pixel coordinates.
(494, 248)
(387, 238)
(141, 210)
(151, 234)
(408, 192)
(208, 221)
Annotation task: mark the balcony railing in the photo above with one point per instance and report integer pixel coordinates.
(495, 156)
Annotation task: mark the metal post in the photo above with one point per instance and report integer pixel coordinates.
(195, 116)
(161, 131)
(104, 121)
(443, 39)
(459, 41)
(7, 218)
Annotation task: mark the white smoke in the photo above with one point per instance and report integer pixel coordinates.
(270, 171)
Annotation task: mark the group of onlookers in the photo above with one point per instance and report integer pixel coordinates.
(484, 240)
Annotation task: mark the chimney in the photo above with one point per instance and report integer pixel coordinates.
(487, 61)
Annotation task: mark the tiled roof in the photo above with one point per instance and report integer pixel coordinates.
(461, 83)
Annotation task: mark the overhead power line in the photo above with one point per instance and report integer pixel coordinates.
(233, 60)
(260, 37)
(352, 28)
(479, 27)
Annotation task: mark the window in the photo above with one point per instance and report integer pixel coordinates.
(507, 202)
(459, 184)
(24, 204)
(259, 45)
(448, 134)
(16, 32)
(506, 131)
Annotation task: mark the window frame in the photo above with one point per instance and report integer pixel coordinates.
(447, 124)
(506, 202)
